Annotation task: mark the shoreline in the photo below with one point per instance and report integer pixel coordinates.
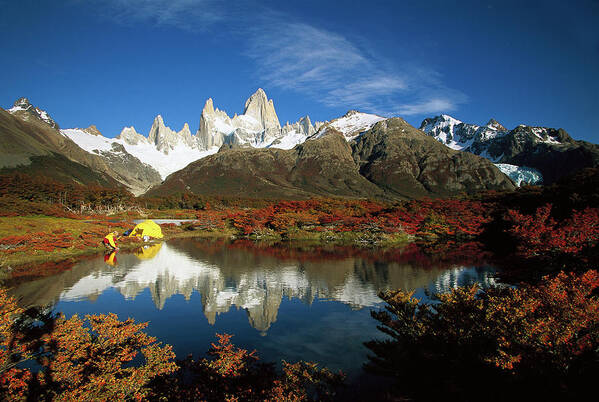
(82, 238)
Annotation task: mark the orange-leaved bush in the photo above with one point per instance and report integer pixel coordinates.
(78, 362)
(92, 363)
(534, 334)
(230, 373)
(14, 349)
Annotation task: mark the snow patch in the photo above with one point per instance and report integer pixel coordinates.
(290, 140)
(352, 124)
(177, 158)
(541, 134)
(521, 175)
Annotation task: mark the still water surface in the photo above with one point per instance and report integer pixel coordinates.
(288, 303)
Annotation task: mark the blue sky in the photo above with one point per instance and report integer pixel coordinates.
(117, 63)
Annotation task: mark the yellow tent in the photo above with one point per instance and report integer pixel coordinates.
(148, 252)
(147, 228)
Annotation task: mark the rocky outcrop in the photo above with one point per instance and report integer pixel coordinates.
(132, 137)
(262, 109)
(303, 127)
(211, 134)
(93, 130)
(257, 127)
(166, 139)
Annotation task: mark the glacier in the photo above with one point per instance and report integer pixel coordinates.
(521, 175)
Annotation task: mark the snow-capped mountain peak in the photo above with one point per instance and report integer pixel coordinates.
(492, 141)
(93, 130)
(257, 127)
(20, 104)
(168, 150)
(130, 136)
(262, 109)
(351, 124)
(178, 156)
(440, 124)
(26, 110)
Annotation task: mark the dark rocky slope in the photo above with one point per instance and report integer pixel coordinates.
(32, 143)
(407, 163)
(36, 148)
(322, 167)
(551, 151)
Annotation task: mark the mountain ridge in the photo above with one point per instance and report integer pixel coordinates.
(391, 160)
(387, 157)
(553, 153)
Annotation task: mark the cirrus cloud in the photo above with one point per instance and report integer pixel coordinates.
(303, 58)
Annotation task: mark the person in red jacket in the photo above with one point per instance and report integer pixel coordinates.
(110, 241)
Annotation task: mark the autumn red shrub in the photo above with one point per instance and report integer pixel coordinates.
(541, 234)
(78, 362)
(509, 337)
(14, 240)
(210, 220)
(426, 219)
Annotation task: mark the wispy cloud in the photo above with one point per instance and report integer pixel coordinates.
(296, 56)
(437, 105)
(191, 15)
(332, 69)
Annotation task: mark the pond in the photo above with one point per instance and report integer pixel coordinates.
(287, 302)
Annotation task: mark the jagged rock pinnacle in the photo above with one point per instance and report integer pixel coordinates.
(263, 110)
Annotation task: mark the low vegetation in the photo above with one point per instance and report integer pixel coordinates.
(525, 343)
(43, 220)
(539, 339)
(92, 359)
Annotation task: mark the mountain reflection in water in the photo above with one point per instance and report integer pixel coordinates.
(252, 278)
